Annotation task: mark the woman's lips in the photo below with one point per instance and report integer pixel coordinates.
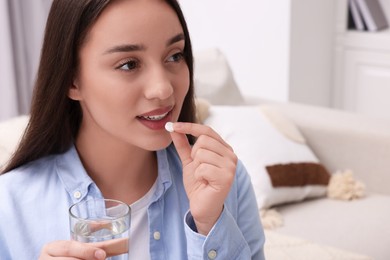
(158, 111)
(157, 118)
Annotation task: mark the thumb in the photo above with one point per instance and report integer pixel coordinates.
(183, 147)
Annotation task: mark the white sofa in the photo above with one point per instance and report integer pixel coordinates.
(340, 141)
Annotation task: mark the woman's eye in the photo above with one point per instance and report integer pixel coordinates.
(128, 65)
(176, 57)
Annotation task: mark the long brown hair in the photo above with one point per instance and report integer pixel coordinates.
(54, 118)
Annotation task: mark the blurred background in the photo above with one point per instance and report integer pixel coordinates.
(302, 51)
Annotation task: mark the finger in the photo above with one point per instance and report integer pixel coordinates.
(213, 166)
(63, 258)
(202, 155)
(217, 179)
(99, 225)
(209, 143)
(197, 130)
(206, 159)
(74, 249)
(183, 147)
(114, 246)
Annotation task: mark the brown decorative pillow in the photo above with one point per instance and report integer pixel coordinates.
(298, 174)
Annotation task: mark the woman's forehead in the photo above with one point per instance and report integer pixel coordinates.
(136, 21)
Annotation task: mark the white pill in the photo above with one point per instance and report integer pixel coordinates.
(169, 126)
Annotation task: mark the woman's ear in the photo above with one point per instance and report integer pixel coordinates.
(74, 91)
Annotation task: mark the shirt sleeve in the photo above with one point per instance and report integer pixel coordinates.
(237, 234)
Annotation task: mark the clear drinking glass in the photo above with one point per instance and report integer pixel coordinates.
(102, 221)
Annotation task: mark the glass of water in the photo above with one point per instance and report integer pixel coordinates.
(102, 221)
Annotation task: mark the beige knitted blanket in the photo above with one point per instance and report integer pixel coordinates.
(282, 247)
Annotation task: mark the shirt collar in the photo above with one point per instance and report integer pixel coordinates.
(79, 184)
(73, 175)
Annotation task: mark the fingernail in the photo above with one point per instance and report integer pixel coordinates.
(169, 127)
(100, 254)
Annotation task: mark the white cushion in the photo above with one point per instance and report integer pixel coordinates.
(259, 144)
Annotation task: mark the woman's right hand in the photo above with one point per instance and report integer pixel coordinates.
(72, 250)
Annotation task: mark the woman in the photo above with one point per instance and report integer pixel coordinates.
(111, 75)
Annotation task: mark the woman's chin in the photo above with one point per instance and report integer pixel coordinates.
(155, 145)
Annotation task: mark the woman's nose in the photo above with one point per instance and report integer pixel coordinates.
(158, 85)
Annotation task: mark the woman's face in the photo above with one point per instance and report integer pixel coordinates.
(132, 77)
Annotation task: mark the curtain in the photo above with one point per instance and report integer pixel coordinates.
(22, 25)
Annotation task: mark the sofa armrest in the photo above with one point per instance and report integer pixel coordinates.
(11, 132)
(344, 140)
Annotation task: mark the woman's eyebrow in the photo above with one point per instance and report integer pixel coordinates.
(176, 38)
(140, 47)
(125, 48)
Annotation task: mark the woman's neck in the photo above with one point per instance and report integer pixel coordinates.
(121, 171)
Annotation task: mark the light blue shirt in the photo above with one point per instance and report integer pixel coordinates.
(35, 198)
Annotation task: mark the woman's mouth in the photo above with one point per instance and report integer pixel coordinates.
(157, 118)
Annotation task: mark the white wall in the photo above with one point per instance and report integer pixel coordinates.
(278, 49)
(8, 104)
(253, 34)
(21, 26)
(311, 51)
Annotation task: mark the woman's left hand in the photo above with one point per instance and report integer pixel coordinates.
(209, 168)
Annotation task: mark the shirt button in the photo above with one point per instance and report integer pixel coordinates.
(77, 194)
(212, 254)
(156, 235)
